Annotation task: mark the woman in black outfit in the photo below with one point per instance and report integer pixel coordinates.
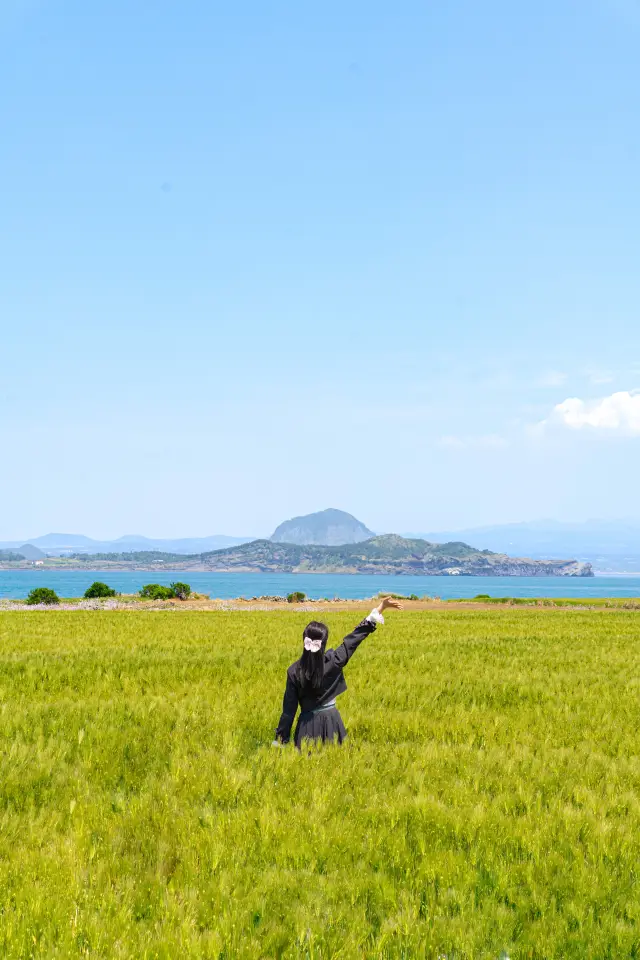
(316, 679)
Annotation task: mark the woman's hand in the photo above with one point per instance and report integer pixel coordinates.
(388, 603)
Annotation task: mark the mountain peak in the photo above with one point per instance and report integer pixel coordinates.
(327, 527)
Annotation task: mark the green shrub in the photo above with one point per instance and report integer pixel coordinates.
(180, 590)
(296, 597)
(482, 596)
(42, 595)
(98, 590)
(154, 591)
(414, 596)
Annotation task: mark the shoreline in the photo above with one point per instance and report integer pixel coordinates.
(120, 567)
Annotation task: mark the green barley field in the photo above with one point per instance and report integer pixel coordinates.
(487, 803)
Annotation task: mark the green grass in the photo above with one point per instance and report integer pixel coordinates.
(488, 799)
(622, 603)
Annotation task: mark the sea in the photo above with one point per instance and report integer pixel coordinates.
(16, 584)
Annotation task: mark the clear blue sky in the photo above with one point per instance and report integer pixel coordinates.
(257, 259)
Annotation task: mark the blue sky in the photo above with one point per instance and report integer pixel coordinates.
(260, 259)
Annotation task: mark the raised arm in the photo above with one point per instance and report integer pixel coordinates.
(289, 710)
(353, 640)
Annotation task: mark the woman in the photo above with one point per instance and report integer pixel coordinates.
(316, 679)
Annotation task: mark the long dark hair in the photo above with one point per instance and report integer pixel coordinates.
(311, 665)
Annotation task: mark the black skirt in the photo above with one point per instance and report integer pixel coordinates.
(323, 725)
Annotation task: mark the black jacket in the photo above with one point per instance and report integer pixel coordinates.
(333, 683)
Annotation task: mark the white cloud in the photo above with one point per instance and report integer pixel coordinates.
(553, 378)
(600, 377)
(619, 413)
(490, 441)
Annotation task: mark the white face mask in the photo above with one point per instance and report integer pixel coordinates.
(312, 645)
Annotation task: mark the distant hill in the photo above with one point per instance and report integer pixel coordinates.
(610, 545)
(388, 554)
(16, 552)
(71, 544)
(29, 552)
(328, 528)
(187, 545)
(63, 541)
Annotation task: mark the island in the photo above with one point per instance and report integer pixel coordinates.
(387, 554)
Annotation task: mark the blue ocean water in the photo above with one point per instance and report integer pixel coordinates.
(16, 584)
